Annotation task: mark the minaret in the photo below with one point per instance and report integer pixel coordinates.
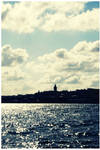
(55, 88)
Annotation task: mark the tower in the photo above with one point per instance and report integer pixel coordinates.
(55, 88)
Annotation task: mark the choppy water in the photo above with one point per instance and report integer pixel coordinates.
(50, 126)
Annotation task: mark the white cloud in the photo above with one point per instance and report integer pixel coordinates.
(82, 22)
(25, 17)
(5, 9)
(70, 69)
(77, 66)
(12, 56)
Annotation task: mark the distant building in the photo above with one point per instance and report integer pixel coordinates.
(55, 88)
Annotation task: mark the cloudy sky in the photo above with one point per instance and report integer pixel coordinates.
(44, 43)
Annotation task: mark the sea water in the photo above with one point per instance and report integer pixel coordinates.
(50, 126)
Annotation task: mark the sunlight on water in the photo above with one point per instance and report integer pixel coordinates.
(50, 126)
(19, 107)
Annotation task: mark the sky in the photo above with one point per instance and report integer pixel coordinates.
(47, 43)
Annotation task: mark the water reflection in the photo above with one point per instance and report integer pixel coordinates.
(50, 125)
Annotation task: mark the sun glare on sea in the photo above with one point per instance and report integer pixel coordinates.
(5, 108)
